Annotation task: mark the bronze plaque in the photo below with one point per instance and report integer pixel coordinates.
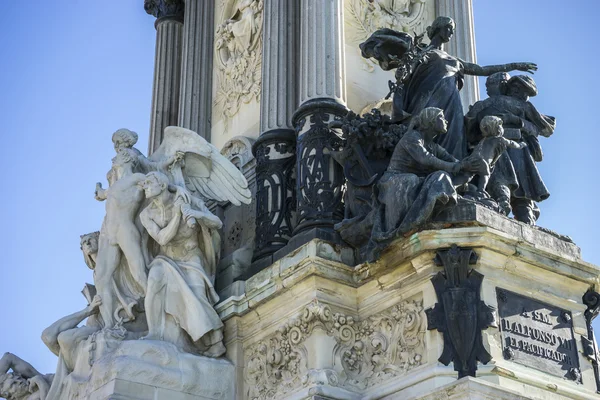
(538, 335)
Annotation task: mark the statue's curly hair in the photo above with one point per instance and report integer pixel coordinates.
(125, 136)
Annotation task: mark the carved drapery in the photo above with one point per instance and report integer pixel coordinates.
(367, 352)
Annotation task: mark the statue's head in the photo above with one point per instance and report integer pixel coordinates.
(89, 247)
(13, 386)
(155, 183)
(522, 87)
(443, 27)
(431, 119)
(124, 138)
(495, 84)
(123, 163)
(491, 126)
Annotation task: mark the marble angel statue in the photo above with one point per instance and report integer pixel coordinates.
(180, 294)
(120, 275)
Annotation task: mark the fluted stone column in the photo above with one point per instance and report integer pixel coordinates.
(319, 179)
(195, 97)
(275, 149)
(462, 45)
(167, 66)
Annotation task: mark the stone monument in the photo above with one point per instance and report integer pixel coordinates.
(391, 250)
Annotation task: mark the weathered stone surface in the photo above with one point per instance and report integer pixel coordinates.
(468, 213)
(157, 370)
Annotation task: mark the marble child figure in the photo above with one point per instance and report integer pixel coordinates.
(121, 265)
(491, 147)
(120, 243)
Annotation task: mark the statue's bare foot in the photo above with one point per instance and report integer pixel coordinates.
(216, 350)
(151, 336)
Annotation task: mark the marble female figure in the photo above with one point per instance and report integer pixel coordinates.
(180, 295)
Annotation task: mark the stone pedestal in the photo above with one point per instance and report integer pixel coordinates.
(145, 369)
(309, 326)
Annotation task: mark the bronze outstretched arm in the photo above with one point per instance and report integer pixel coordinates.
(478, 70)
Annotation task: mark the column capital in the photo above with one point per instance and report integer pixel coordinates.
(171, 9)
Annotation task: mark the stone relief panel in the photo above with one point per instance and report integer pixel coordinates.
(362, 18)
(366, 16)
(238, 58)
(367, 352)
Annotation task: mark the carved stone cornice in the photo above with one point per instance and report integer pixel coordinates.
(165, 9)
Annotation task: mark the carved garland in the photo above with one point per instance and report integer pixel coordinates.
(368, 352)
(238, 46)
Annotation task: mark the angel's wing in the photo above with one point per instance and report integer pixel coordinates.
(206, 172)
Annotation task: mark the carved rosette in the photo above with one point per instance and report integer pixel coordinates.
(319, 178)
(460, 314)
(163, 9)
(366, 16)
(275, 153)
(238, 55)
(368, 352)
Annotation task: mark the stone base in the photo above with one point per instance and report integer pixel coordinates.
(155, 370)
(311, 327)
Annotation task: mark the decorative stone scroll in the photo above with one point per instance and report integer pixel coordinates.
(367, 352)
(238, 59)
(538, 335)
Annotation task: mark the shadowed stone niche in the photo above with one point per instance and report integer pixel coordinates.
(238, 222)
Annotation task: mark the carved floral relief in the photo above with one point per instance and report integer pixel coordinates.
(368, 352)
(366, 16)
(238, 58)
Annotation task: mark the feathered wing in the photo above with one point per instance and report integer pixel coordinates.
(206, 172)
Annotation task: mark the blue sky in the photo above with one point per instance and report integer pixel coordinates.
(74, 71)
